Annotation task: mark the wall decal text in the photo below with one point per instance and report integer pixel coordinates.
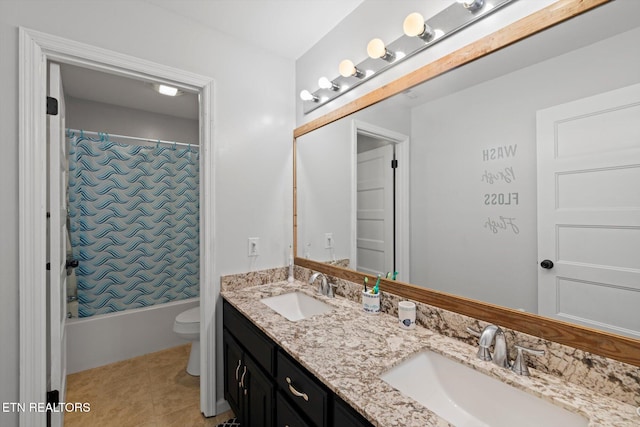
(499, 153)
(502, 223)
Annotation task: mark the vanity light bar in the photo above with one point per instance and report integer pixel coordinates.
(382, 57)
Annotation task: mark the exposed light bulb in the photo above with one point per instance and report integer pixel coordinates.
(376, 49)
(167, 90)
(347, 69)
(325, 83)
(305, 95)
(414, 26)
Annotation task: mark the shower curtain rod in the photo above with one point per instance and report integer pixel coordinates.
(155, 141)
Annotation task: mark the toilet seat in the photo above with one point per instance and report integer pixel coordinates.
(188, 322)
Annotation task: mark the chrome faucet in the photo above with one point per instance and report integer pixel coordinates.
(492, 334)
(323, 287)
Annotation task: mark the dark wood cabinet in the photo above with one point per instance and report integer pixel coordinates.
(248, 390)
(258, 396)
(286, 415)
(303, 390)
(233, 369)
(345, 416)
(267, 387)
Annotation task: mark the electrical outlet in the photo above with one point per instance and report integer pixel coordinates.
(254, 246)
(328, 240)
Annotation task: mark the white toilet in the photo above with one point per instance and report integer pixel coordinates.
(187, 325)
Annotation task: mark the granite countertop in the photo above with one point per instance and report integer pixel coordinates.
(348, 349)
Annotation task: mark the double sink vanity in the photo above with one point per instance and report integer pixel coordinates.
(321, 361)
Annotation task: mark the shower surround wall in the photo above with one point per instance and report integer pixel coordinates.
(134, 221)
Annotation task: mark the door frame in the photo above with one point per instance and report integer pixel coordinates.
(35, 49)
(401, 142)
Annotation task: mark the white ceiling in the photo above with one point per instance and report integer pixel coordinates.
(97, 86)
(287, 28)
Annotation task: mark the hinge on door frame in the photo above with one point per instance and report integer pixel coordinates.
(53, 398)
(52, 106)
(394, 164)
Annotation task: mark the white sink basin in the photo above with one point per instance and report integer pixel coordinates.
(467, 398)
(296, 305)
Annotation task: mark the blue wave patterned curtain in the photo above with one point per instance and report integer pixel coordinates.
(134, 224)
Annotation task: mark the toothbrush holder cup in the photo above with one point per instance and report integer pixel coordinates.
(371, 302)
(407, 314)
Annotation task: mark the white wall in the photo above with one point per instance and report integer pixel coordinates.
(448, 207)
(116, 120)
(254, 115)
(383, 19)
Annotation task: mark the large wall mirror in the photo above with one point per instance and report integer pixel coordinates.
(521, 160)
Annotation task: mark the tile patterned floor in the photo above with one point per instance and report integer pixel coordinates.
(153, 390)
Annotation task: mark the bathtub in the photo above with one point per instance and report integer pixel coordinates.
(108, 338)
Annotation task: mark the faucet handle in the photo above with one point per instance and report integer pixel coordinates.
(332, 287)
(474, 332)
(520, 364)
(483, 352)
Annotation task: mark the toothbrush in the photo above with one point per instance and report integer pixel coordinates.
(388, 275)
(366, 279)
(377, 286)
(395, 274)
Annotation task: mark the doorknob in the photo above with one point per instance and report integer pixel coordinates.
(72, 263)
(547, 263)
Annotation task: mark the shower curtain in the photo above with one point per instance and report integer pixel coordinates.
(134, 222)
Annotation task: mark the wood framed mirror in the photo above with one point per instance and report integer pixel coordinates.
(605, 343)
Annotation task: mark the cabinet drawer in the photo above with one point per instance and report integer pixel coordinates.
(286, 416)
(302, 390)
(345, 416)
(261, 348)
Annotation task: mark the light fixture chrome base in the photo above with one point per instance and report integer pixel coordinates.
(473, 5)
(449, 21)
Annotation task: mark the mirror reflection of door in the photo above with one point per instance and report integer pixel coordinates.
(588, 222)
(375, 225)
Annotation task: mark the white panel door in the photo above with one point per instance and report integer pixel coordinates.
(374, 241)
(589, 211)
(57, 239)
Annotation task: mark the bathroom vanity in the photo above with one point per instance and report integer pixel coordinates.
(265, 386)
(329, 369)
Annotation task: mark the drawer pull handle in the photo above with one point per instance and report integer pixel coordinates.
(238, 368)
(296, 392)
(244, 372)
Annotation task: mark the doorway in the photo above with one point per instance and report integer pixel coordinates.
(36, 50)
(132, 203)
(376, 198)
(380, 205)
